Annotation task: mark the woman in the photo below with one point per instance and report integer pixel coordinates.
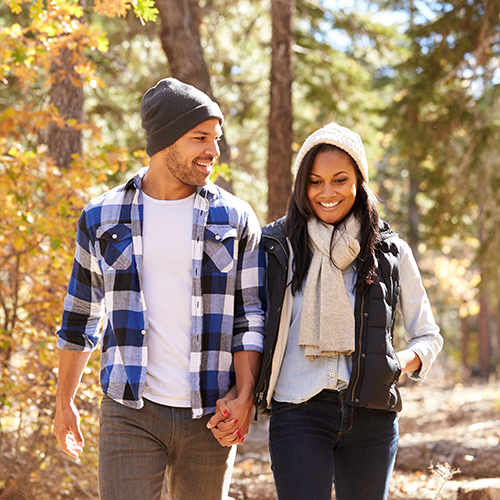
(335, 276)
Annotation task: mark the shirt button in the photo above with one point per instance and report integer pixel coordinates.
(331, 374)
(115, 236)
(365, 315)
(143, 332)
(143, 363)
(217, 237)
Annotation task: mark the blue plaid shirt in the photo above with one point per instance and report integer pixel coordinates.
(105, 300)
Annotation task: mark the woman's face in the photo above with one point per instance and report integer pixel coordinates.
(332, 186)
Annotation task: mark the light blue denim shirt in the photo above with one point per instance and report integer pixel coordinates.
(300, 378)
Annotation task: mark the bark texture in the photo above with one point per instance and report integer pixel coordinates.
(67, 96)
(279, 161)
(181, 42)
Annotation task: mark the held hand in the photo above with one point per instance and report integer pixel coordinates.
(67, 430)
(223, 425)
(231, 420)
(221, 410)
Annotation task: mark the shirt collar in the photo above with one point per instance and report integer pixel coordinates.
(209, 189)
(135, 182)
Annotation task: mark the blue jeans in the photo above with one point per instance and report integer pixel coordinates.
(324, 440)
(139, 448)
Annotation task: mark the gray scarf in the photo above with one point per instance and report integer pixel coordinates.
(327, 318)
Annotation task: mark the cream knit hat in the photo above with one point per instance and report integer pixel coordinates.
(338, 136)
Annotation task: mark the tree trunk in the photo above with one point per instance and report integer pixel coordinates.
(413, 214)
(483, 323)
(280, 114)
(63, 143)
(496, 343)
(464, 326)
(484, 331)
(412, 115)
(181, 41)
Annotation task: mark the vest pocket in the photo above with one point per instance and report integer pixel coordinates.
(115, 244)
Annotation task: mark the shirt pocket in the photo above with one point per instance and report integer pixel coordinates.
(219, 249)
(115, 244)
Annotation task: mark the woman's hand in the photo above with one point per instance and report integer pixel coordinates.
(409, 360)
(231, 421)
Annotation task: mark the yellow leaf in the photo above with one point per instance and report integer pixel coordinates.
(16, 31)
(102, 43)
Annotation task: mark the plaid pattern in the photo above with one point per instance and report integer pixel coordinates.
(105, 287)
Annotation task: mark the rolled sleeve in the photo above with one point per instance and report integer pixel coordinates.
(250, 292)
(84, 303)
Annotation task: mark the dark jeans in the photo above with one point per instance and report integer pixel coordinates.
(325, 440)
(139, 448)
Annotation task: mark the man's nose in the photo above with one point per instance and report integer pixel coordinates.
(213, 148)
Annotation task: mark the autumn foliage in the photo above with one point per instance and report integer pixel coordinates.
(40, 204)
(426, 100)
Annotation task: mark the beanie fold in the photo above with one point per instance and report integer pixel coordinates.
(338, 136)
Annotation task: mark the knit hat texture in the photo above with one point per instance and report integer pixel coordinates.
(170, 109)
(338, 136)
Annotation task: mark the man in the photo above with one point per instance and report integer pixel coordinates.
(174, 268)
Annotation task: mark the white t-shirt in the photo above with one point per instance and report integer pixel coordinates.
(167, 288)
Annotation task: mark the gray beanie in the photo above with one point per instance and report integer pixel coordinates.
(338, 136)
(172, 108)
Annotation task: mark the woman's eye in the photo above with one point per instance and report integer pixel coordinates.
(341, 181)
(314, 183)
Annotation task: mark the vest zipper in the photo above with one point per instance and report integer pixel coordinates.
(264, 389)
(359, 350)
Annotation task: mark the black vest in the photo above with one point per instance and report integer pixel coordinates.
(375, 367)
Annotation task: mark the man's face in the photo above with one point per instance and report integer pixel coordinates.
(191, 158)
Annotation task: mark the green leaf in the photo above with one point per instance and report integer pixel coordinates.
(145, 10)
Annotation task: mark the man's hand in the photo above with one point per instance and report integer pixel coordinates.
(231, 421)
(233, 412)
(67, 430)
(67, 419)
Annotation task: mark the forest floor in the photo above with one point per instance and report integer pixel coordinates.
(461, 416)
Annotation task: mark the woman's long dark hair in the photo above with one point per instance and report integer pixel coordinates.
(300, 210)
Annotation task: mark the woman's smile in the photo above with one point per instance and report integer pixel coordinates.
(332, 186)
